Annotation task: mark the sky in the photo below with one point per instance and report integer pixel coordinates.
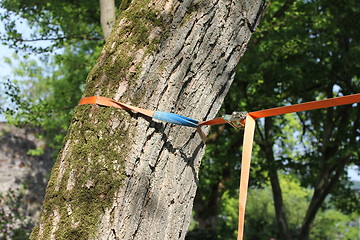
(6, 52)
(354, 173)
(5, 72)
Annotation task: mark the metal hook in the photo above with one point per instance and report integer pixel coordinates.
(236, 119)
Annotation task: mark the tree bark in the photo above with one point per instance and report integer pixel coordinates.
(121, 175)
(107, 16)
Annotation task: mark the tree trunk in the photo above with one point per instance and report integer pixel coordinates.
(279, 206)
(330, 170)
(121, 175)
(107, 16)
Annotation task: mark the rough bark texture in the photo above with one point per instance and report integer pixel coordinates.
(121, 175)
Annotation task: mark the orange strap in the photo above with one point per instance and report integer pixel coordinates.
(245, 171)
(331, 102)
(249, 136)
(215, 121)
(108, 102)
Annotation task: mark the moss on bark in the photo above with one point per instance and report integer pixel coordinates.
(131, 33)
(90, 170)
(93, 173)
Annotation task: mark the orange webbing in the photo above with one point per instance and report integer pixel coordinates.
(245, 171)
(331, 102)
(249, 137)
(215, 121)
(103, 101)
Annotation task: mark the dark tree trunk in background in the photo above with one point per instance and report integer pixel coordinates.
(331, 166)
(280, 211)
(121, 175)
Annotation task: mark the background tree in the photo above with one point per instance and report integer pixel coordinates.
(261, 221)
(303, 51)
(49, 21)
(52, 58)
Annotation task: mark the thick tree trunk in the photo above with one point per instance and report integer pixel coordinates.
(121, 175)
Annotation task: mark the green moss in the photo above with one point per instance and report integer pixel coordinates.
(191, 11)
(124, 4)
(114, 63)
(94, 157)
(98, 170)
(34, 232)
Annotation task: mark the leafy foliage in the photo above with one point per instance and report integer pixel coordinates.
(302, 51)
(43, 91)
(49, 20)
(260, 219)
(47, 97)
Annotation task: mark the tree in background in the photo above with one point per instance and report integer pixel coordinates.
(49, 21)
(303, 51)
(261, 220)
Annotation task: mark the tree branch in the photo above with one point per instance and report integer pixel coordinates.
(330, 171)
(278, 14)
(50, 38)
(319, 196)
